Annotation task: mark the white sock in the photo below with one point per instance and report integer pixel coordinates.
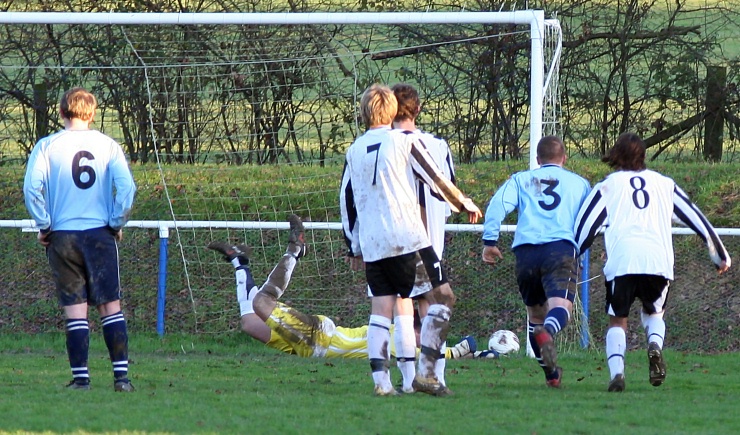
(242, 295)
(654, 327)
(235, 262)
(616, 344)
(405, 341)
(378, 338)
(434, 329)
(439, 367)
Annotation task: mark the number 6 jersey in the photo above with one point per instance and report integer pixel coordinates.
(637, 208)
(77, 180)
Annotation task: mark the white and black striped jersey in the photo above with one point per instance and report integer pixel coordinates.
(434, 209)
(78, 180)
(378, 202)
(637, 209)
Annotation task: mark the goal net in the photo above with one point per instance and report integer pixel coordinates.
(233, 121)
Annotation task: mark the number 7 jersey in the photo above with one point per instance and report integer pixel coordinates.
(637, 209)
(378, 203)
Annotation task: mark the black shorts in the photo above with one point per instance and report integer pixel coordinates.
(85, 266)
(621, 292)
(406, 275)
(546, 271)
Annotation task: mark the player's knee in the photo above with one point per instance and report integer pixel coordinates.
(444, 295)
(263, 304)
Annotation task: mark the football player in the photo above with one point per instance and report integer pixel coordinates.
(79, 190)
(434, 213)
(547, 200)
(636, 206)
(386, 237)
(289, 330)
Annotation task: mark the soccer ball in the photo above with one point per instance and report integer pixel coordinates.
(503, 342)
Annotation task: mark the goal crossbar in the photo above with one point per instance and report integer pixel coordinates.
(535, 19)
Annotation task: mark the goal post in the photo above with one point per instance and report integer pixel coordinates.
(183, 90)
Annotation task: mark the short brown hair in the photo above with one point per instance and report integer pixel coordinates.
(378, 106)
(628, 153)
(78, 103)
(550, 149)
(409, 103)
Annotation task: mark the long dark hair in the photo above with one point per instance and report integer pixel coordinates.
(627, 154)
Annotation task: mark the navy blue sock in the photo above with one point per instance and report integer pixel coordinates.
(116, 339)
(78, 345)
(535, 347)
(556, 320)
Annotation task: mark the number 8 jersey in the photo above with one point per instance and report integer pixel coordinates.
(78, 180)
(637, 208)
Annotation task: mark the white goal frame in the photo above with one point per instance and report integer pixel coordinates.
(535, 19)
(542, 116)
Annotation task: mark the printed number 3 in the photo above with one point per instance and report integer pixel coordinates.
(550, 191)
(374, 149)
(78, 170)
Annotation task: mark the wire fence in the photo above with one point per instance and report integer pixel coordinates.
(196, 291)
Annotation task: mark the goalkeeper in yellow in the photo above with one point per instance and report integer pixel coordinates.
(286, 329)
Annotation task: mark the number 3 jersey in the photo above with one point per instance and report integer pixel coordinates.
(547, 200)
(77, 180)
(637, 209)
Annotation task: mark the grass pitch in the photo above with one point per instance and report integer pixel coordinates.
(231, 384)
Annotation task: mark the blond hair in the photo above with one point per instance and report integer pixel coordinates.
(378, 106)
(78, 103)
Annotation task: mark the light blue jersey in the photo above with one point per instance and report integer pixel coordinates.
(547, 200)
(78, 180)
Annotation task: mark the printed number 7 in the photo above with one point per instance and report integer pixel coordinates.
(438, 266)
(374, 149)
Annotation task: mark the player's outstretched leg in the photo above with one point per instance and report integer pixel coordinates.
(465, 347)
(238, 256)
(232, 253)
(279, 278)
(297, 238)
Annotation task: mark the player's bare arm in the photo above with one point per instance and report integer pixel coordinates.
(428, 171)
(474, 213)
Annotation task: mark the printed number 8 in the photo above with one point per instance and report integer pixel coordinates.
(640, 197)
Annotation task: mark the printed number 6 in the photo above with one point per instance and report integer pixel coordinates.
(78, 170)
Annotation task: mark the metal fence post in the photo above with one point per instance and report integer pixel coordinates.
(164, 234)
